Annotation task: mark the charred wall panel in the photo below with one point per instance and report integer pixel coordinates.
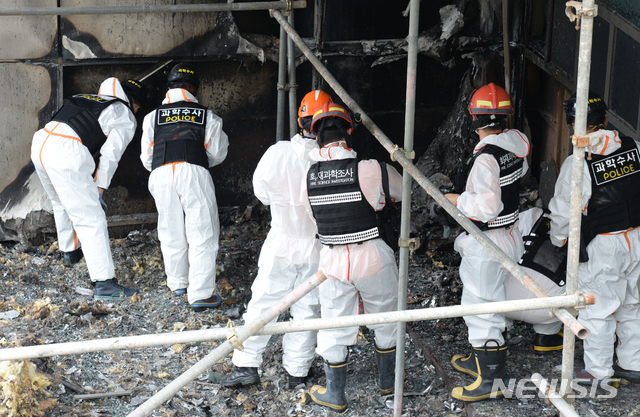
(28, 37)
(153, 34)
(26, 91)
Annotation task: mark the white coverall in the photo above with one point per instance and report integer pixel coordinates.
(611, 274)
(368, 269)
(65, 167)
(188, 224)
(542, 321)
(482, 275)
(289, 255)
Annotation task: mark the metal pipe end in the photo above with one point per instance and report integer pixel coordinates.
(321, 276)
(590, 299)
(582, 333)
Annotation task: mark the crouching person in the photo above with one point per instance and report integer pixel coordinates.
(490, 200)
(344, 194)
(547, 266)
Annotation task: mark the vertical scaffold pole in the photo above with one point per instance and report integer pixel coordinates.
(293, 100)
(587, 13)
(409, 123)
(282, 75)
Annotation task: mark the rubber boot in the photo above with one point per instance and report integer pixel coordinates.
(386, 361)
(332, 396)
(545, 343)
(490, 362)
(73, 257)
(465, 364)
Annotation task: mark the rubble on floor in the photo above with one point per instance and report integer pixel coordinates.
(45, 302)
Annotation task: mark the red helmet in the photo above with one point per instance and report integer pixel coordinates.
(312, 102)
(330, 110)
(490, 99)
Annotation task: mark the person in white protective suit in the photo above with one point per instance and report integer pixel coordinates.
(181, 139)
(289, 255)
(75, 156)
(344, 195)
(610, 246)
(491, 201)
(547, 266)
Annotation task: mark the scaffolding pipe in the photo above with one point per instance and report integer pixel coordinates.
(159, 339)
(165, 8)
(398, 155)
(555, 398)
(293, 100)
(577, 171)
(506, 46)
(282, 74)
(405, 219)
(234, 340)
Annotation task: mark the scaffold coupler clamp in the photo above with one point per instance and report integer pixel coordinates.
(582, 301)
(285, 12)
(412, 243)
(232, 337)
(580, 12)
(410, 155)
(589, 141)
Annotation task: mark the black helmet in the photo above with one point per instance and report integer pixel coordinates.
(135, 91)
(183, 74)
(596, 110)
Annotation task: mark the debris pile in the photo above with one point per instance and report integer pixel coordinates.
(44, 302)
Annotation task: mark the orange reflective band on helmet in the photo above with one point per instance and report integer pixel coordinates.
(490, 99)
(330, 110)
(312, 102)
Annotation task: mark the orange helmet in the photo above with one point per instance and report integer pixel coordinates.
(490, 99)
(330, 110)
(312, 102)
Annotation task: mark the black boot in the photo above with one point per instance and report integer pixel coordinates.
(294, 381)
(465, 364)
(241, 376)
(544, 343)
(490, 362)
(333, 395)
(386, 361)
(73, 257)
(110, 290)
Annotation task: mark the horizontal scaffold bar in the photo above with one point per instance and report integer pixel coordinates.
(131, 342)
(161, 8)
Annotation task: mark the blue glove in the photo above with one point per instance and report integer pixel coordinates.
(102, 203)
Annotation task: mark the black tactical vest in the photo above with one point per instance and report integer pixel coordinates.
(615, 191)
(81, 113)
(511, 170)
(343, 214)
(180, 134)
(540, 254)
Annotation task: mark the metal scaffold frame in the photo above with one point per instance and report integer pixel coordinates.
(235, 337)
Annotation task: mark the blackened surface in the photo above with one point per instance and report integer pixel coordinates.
(221, 41)
(563, 42)
(600, 46)
(625, 88)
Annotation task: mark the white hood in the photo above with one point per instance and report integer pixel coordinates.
(608, 144)
(302, 146)
(178, 94)
(112, 87)
(511, 140)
